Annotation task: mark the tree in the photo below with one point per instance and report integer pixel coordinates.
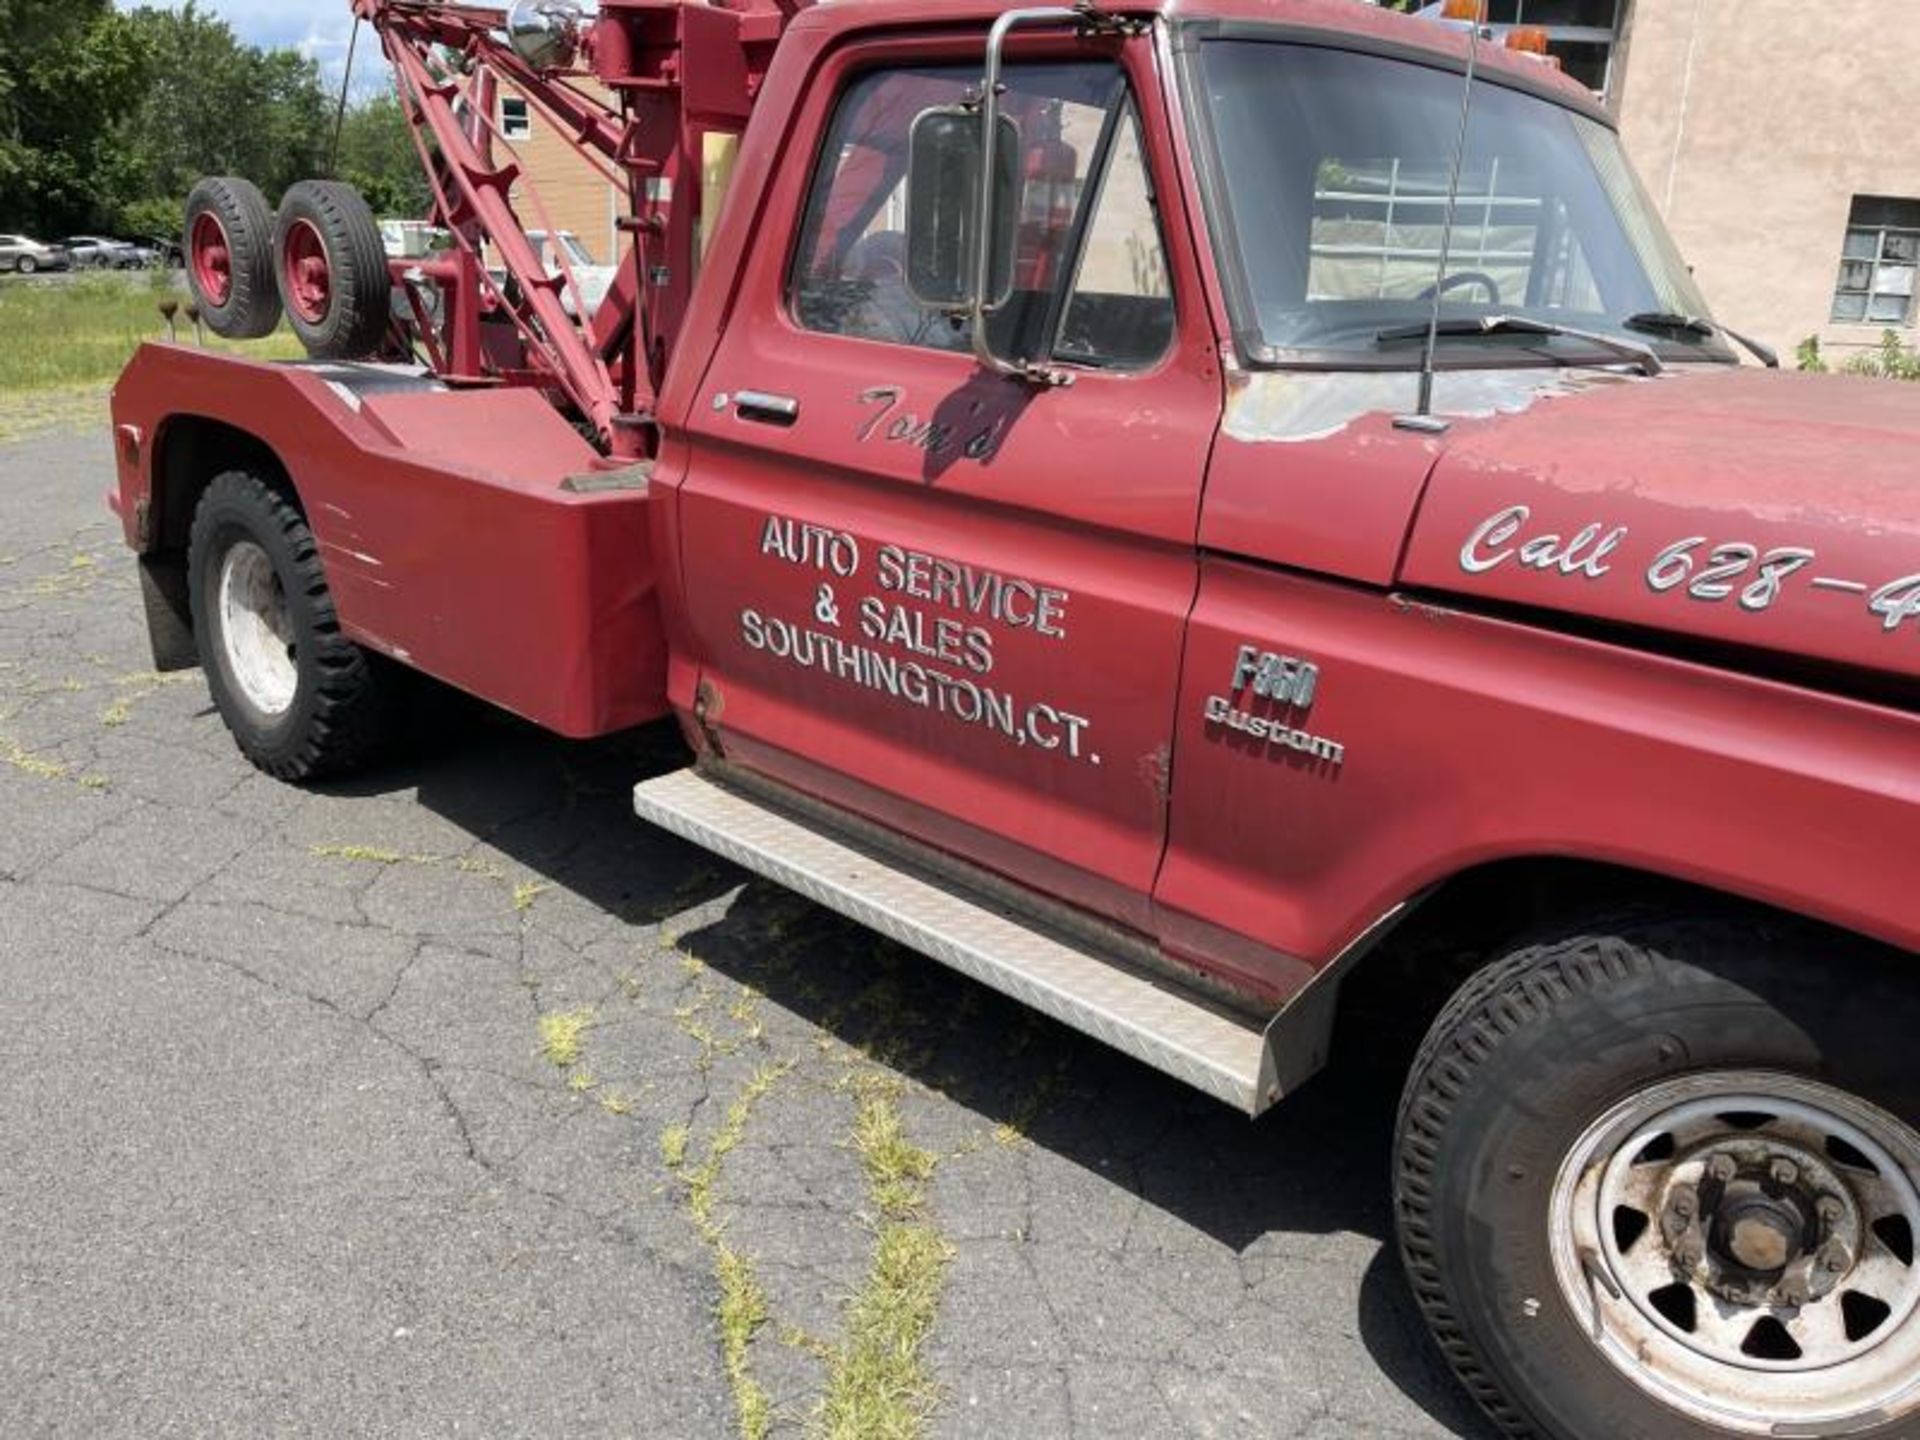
(107, 119)
(378, 157)
(69, 72)
(218, 107)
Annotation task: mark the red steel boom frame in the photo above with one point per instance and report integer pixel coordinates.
(673, 76)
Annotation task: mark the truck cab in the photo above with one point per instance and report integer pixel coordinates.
(1231, 522)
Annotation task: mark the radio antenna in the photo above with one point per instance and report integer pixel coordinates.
(1423, 417)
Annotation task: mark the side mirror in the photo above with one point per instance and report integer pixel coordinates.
(944, 198)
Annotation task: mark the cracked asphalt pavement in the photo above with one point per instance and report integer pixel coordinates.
(389, 1108)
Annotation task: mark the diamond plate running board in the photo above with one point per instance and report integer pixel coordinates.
(1174, 1032)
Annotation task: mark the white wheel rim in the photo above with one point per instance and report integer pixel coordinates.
(256, 630)
(1661, 1198)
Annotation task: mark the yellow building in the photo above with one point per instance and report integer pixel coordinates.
(576, 195)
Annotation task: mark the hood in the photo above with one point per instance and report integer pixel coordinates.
(1766, 509)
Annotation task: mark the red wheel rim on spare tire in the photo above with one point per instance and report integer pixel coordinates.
(212, 259)
(309, 277)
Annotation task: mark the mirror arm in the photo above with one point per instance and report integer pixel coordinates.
(983, 229)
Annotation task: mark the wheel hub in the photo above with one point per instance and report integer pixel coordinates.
(1760, 1222)
(256, 630)
(1758, 1235)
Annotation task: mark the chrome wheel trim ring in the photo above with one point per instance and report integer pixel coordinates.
(1644, 1154)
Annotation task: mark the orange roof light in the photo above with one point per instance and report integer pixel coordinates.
(1474, 10)
(1531, 39)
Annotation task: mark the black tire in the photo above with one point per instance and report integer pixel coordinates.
(346, 702)
(247, 305)
(1540, 1045)
(350, 321)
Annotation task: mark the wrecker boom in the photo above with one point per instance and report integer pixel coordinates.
(652, 93)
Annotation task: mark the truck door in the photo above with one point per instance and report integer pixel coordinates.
(945, 599)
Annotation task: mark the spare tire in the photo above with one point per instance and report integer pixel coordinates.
(230, 258)
(332, 270)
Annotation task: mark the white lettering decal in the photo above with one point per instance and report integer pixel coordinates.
(899, 629)
(1495, 531)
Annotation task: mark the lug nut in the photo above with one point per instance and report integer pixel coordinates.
(1784, 1172)
(1722, 1168)
(1689, 1252)
(1829, 1209)
(1683, 1206)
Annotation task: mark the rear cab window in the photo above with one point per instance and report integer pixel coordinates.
(1090, 273)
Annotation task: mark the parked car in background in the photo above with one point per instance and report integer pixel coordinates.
(593, 278)
(145, 257)
(27, 256)
(413, 239)
(96, 252)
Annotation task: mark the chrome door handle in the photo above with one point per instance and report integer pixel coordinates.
(765, 408)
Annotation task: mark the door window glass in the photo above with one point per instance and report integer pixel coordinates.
(849, 275)
(1121, 310)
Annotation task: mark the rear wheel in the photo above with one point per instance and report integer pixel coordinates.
(230, 258)
(332, 271)
(1653, 1180)
(301, 700)
(27, 265)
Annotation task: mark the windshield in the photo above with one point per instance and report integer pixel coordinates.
(1333, 176)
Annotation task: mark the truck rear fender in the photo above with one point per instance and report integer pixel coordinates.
(187, 453)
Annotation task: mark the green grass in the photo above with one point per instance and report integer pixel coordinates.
(79, 334)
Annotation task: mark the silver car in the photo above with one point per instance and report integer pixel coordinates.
(97, 252)
(28, 257)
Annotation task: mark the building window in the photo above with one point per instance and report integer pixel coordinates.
(516, 119)
(1877, 263)
(1582, 34)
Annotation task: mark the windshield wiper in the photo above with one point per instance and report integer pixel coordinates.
(1666, 322)
(1477, 325)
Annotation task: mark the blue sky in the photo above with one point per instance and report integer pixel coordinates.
(315, 27)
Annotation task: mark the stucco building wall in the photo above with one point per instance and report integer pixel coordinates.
(1755, 123)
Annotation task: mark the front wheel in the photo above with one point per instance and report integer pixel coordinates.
(1653, 1180)
(301, 700)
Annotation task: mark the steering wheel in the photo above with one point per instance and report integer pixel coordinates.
(1465, 277)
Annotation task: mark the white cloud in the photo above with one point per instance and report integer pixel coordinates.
(318, 29)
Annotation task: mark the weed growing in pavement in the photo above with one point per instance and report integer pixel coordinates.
(878, 1387)
(361, 854)
(523, 893)
(130, 690)
(673, 1146)
(13, 754)
(16, 756)
(742, 1307)
(562, 1033)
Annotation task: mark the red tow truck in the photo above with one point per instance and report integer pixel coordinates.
(1226, 520)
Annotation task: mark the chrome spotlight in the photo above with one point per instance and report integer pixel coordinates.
(546, 33)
